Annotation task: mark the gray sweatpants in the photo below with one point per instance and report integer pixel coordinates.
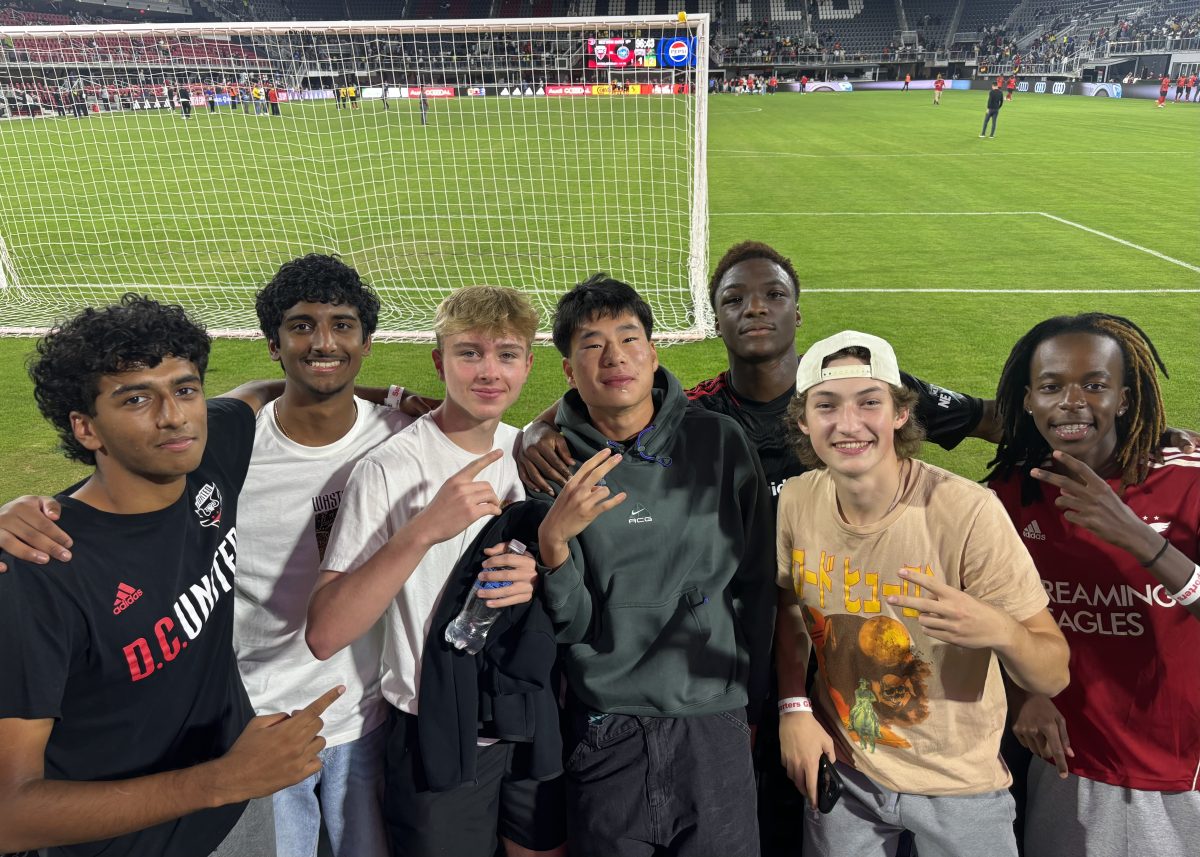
(1078, 817)
(869, 819)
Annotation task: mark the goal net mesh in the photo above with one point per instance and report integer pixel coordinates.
(189, 162)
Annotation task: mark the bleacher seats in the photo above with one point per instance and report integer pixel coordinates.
(984, 13)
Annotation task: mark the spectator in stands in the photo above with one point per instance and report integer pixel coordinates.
(995, 102)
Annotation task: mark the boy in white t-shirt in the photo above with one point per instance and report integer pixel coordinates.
(411, 508)
(318, 317)
(913, 587)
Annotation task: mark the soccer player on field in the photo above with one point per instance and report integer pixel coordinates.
(185, 101)
(1012, 87)
(125, 726)
(383, 96)
(912, 587)
(1180, 83)
(424, 107)
(1113, 522)
(995, 102)
(938, 86)
(411, 507)
(907, 81)
(1187, 91)
(352, 95)
(1163, 87)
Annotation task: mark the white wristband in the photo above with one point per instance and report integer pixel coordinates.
(395, 395)
(792, 704)
(1191, 590)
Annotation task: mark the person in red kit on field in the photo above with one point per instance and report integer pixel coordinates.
(1012, 87)
(1163, 88)
(938, 86)
(1180, 83)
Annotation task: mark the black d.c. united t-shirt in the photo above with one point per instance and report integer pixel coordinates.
(129, 646)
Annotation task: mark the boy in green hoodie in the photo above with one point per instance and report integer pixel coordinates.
(659, 589)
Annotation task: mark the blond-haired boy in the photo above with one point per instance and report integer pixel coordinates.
(411, 508)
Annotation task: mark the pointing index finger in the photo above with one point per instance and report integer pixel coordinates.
(479, 464)
(1073, 466)
(927, 582)
(317, 707)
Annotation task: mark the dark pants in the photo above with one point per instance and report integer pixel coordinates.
(467, 821)
(990, 116)
(275, 108)
(651, 786)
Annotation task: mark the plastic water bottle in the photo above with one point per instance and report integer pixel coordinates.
(468, 631)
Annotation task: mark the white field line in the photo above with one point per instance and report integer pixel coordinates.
(1154, 253)
(868, 213)
(808, 291)
(751, 153)
(1045, 214)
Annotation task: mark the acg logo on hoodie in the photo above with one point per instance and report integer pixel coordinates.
(639, 515)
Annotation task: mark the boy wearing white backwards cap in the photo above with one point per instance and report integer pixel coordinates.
(912, 584)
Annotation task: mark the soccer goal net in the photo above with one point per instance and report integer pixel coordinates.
(189, 162)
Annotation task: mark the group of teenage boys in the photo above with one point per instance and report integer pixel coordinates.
(295, 550)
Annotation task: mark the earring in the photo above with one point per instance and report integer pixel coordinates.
(1121, 412)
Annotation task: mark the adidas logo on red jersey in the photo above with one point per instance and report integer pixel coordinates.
(126, 595)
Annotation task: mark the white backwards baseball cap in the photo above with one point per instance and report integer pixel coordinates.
(883, 365)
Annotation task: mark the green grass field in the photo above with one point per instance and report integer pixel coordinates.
(900, 220)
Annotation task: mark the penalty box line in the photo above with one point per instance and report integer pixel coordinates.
(1045, 214)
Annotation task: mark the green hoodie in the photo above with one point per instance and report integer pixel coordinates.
(667, 602)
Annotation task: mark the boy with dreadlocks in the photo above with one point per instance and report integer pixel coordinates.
(1112, 522)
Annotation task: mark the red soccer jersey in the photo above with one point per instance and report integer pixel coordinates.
(939, 84)
(1166, 84)
(1192, 80)
(1012, 84)
(1133, 705)
(1181, 82)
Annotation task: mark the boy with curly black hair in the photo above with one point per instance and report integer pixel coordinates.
(124, 721)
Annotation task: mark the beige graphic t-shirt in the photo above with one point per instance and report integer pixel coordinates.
(920, 716)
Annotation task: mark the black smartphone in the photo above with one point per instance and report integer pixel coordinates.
(829, 785)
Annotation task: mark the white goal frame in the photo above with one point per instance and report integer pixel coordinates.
(17, 290)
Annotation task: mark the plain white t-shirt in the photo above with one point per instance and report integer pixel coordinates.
(285, 514)
(388, 487)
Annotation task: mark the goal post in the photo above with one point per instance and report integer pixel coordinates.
(190, 161)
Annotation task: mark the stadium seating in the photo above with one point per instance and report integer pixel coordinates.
(934, 28)
(979, 14)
